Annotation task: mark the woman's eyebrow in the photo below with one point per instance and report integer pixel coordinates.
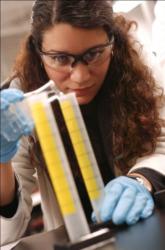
(52, 51)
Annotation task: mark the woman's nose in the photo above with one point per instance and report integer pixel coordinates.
(80, 73)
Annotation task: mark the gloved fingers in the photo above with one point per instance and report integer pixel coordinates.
(148, 209)
(15, 123)
(4, 104)
(112, 196)
(22, 123)
(124, 205)
(8, 151)
(12, 95)
(135, 212)
(20, 126)
(13, 126)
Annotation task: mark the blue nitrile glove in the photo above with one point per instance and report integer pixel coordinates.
(13, 124)
(125, 201)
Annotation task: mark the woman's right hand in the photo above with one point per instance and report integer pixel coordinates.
(14, 123)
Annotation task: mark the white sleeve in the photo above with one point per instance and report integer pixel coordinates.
(13, 228)
(155, 161)
(158, 30)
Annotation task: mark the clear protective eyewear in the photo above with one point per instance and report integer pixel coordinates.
(64, 62)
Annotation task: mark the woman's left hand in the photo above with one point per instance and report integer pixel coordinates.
(125, 201)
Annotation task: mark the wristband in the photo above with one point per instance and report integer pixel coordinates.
(142, 180)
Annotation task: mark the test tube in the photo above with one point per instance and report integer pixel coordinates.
(58, 167)
(83, 150)
(20, 116)
(20, 121)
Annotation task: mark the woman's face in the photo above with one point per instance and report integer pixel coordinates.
(85, 80)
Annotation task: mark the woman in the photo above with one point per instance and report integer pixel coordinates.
(85, 48)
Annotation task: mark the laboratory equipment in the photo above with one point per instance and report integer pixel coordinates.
(83, 150)
(58, 167)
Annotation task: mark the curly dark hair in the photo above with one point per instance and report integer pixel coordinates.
(129, 87)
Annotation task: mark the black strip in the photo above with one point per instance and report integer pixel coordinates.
(156, 179)
(72, 159)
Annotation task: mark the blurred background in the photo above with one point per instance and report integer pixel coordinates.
(15, 24)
